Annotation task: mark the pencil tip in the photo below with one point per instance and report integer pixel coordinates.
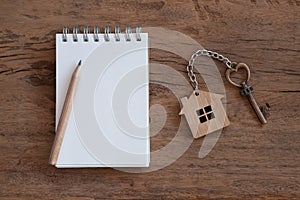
(79, 62)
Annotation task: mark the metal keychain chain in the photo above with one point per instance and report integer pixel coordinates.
(232, 67)
(204, 52)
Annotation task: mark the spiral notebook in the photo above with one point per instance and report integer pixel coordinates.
(108, 125)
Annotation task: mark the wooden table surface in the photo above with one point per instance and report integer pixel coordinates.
(249, 161)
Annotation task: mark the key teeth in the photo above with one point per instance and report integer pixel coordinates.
(265, 109)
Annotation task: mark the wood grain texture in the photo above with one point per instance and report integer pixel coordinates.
(249, 161)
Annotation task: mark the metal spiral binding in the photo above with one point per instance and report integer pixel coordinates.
(106, 33)
(138, 31)
(86, 31)
(75, 32)
(127, 33)
(117, 33)
(65, 32)
(96, 32)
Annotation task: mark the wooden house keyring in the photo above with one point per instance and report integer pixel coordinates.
(204, 112)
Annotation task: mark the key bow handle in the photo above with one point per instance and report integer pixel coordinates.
(235, 70)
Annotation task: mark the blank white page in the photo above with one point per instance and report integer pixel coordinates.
(109, 122)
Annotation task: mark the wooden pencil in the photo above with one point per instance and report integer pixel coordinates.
(63, 120)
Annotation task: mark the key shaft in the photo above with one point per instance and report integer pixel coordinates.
(247, 91)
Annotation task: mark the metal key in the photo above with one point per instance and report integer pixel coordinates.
(260, 112)
(247, 90)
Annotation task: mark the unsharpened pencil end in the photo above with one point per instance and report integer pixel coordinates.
(79, 62)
